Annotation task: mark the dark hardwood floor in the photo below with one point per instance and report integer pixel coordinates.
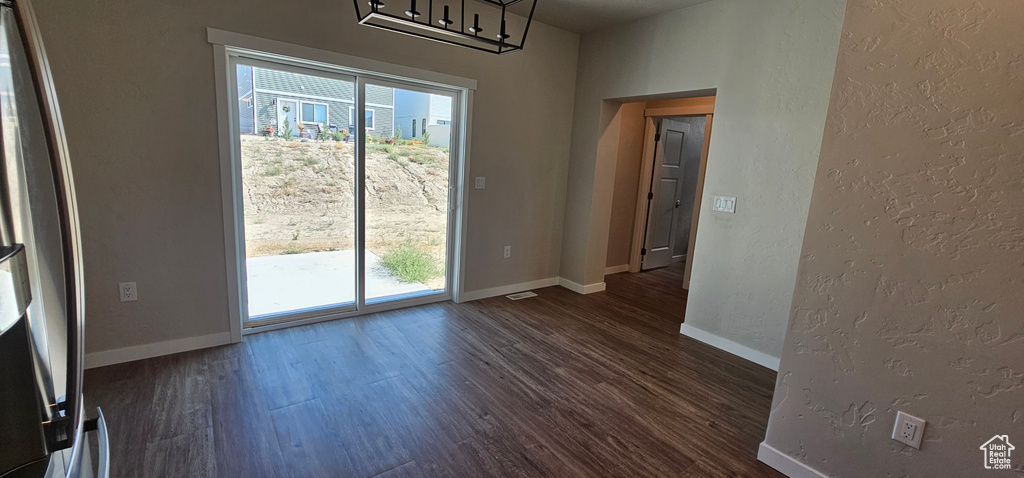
(559, 385)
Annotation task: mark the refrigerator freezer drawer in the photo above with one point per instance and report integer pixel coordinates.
(22, 438)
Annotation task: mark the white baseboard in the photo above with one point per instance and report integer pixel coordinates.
(734, 348)
(139, 352)
(679, 258)
(615, 270)
(786, 464)
(507, 289)
(580, 288)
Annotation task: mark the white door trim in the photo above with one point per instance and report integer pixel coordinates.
(231, 187)
(643, 190)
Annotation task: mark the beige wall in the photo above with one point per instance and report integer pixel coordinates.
(772, 64)
(627, 182)
(136, 84)
(909, 291)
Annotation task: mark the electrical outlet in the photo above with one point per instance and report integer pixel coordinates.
(128, 291)
(481, 182)
(908, 430)
(508, 252)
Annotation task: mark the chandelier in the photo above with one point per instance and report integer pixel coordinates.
(486, 25)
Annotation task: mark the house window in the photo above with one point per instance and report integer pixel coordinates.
(443, 122)
(352, 118)
(413, 128)
(314, 112)
(424, 131)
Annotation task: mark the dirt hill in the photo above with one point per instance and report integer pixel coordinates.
(299, 196)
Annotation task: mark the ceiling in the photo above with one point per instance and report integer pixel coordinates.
(582, 16)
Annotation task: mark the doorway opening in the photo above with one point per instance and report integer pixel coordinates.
(661, 162)
(338, 211)
(672, 194)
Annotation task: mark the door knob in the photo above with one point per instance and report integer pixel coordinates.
(677, 203)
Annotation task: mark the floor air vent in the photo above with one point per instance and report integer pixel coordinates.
(521, 295)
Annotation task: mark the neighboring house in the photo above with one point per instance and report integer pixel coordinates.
(246, 104)
(275, 96)
(414, 111)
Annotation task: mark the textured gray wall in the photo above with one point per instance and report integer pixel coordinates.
(911, 285)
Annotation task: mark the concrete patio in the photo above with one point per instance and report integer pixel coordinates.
(302, 281)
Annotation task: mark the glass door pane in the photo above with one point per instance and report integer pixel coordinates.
(408, 169)
(298, 165)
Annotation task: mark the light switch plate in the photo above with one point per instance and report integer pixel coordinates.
(724, 204)
(481, 182)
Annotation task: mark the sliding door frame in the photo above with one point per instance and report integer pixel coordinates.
(234, 60)
(229, 49)
(454, 176)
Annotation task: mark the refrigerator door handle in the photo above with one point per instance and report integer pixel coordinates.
(100, 425)
(66, 202)
(82, 466)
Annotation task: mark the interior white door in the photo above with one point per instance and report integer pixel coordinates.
(664, 200)
(288, 109)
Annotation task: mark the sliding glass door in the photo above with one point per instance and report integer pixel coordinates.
(298, 196)
(408, 172)
(345, 190)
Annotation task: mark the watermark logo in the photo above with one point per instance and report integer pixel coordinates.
(997, 453)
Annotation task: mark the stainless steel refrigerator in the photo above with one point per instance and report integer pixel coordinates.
(43, 427)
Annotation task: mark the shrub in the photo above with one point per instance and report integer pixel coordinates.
(286, 130)
(286, 126)
(409, 264)
(426, 138)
